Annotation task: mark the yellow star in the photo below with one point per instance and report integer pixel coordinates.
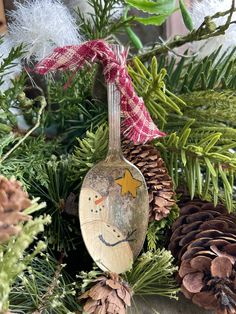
(129, 184)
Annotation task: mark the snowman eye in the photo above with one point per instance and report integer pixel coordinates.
(96, 196)
(89, 198)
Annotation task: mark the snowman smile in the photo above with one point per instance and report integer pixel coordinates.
(127, 239)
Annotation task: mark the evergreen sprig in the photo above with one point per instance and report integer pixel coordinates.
(100, 24)
(44, 287)
(212, 108)
(202, 165)
(153, 274)
(9, 61)
(63, 233)
(89, 151)
(13, 259)
(150, 84)
(26, 163)
(157, 230)
(188, 73)
(73, 110)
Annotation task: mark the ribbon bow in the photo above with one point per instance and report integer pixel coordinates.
(137, 124)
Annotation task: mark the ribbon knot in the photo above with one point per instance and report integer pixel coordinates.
(137, 124)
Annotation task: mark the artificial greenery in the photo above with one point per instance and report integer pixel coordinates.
(152, 274)
(100, 24)
(197, 147)
(13, 258)
(157, 233)
(189, 73)
(203, 165)
(150, 84)
(89, 151)
(44, 287)
(61, 204)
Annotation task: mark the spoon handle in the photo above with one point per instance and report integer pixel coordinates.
(114, 98)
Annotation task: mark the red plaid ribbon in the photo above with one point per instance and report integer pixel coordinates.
(137, 124)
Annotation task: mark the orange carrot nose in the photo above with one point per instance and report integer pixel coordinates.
(100, 200)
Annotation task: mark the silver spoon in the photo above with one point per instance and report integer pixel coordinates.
(113, 204)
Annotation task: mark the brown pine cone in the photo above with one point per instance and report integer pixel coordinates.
(160, 186)
(196, 216)
(108, 296)
(204, 242)
(13, 200)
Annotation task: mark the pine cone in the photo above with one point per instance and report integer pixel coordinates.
(107, 296)
(204, 243)
(160, 186)
(13, 200)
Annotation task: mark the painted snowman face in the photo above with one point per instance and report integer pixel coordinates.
(108, 247)
(92, 206)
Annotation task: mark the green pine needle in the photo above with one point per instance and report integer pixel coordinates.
(150, 84)
(44, 287)
(153, 274)
(89, 151)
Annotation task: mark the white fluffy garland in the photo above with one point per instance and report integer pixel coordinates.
(199, 10)
(42, 25)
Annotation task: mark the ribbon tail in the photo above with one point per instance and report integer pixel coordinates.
(137, 124)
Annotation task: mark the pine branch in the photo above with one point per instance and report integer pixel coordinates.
(201, 165)
(152, 274)
(12, 261)
(101, 24)
(50, 290)
(207, 29)
(151, 86)
(21, 140)
(26, 163)
(44, 287)
(63, 233)
(218, 110)
(187, 74)
(156, 233)
(90, 150)
(8, 62)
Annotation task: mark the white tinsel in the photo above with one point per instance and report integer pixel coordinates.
(203, 8)
(11, 73)
(87, 9)
(42, 25)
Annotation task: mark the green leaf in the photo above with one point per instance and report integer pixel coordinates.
(135, 40)
(152, 20)
(164, 7)
(186, 16)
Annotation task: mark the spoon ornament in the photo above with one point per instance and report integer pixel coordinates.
(113, 203)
